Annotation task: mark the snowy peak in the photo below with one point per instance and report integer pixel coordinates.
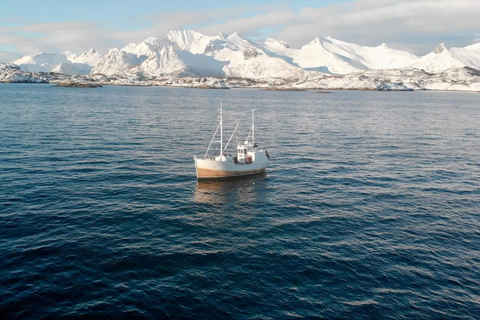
(441, 48)
(315, 42)
(275, 43)
(331, 40)
(383, 46)
(70, 55)
(236, 42)
(327, 55)
(190, 40)
(144, 49)
(130, 48)
(320, 41)
(154, 41)
(440, 59)
(90, 57)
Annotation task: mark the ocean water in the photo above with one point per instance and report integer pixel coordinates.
(370, 208)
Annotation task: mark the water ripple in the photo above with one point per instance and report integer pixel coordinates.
(368, 209)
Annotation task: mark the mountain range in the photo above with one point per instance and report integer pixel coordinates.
(191, 54)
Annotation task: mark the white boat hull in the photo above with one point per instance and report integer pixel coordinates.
(212, 169)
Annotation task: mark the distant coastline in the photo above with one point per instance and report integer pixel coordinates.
(383, 80)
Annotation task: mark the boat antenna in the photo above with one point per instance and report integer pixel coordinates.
(253, 127)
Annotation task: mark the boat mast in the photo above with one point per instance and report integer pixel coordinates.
(221, 128)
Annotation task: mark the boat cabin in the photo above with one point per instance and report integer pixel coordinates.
(244, 154)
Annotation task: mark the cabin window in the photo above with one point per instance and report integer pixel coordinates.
(245, 151)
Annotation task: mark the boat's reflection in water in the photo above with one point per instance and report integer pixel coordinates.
(243, 189)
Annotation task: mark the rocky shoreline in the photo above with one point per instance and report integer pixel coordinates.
(455, 79)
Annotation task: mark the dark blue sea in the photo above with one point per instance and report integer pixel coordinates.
(370, 208)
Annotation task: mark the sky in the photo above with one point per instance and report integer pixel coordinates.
(418, 26)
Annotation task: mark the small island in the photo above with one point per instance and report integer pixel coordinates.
(284, 89)
(78, 85)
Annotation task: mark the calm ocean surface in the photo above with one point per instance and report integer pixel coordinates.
(370, 208)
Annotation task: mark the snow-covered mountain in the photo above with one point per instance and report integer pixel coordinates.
(380, 57)
(40, 62)
(191, 41)
(442, 59)
(317, 54)
(65, 62)
(167, 61)
(439, 60)
(117, 61)
(189, 53)
(329, 55)
(90, 57)
(247, 59)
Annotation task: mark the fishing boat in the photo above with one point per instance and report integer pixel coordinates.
(248, 159)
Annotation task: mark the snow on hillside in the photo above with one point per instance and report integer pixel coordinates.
(148, 47)
(117, 61)
(40, 62)
(380, 57)
(90, 57)
(474, 47)
(65, 62)
(191, 41)
(189, 53)
(254, 63)
(72, 68)
(201, 65)
(276, 44)
(10, 72)
(470, 56)
(167, 61)
(439, 60)
(454, 79)
(329, 55)
(442, 59)
(246, 59)
(316, 55)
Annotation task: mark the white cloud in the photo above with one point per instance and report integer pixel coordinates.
(54, 37)
(209, 22)
(161, 24)
(371, 22)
